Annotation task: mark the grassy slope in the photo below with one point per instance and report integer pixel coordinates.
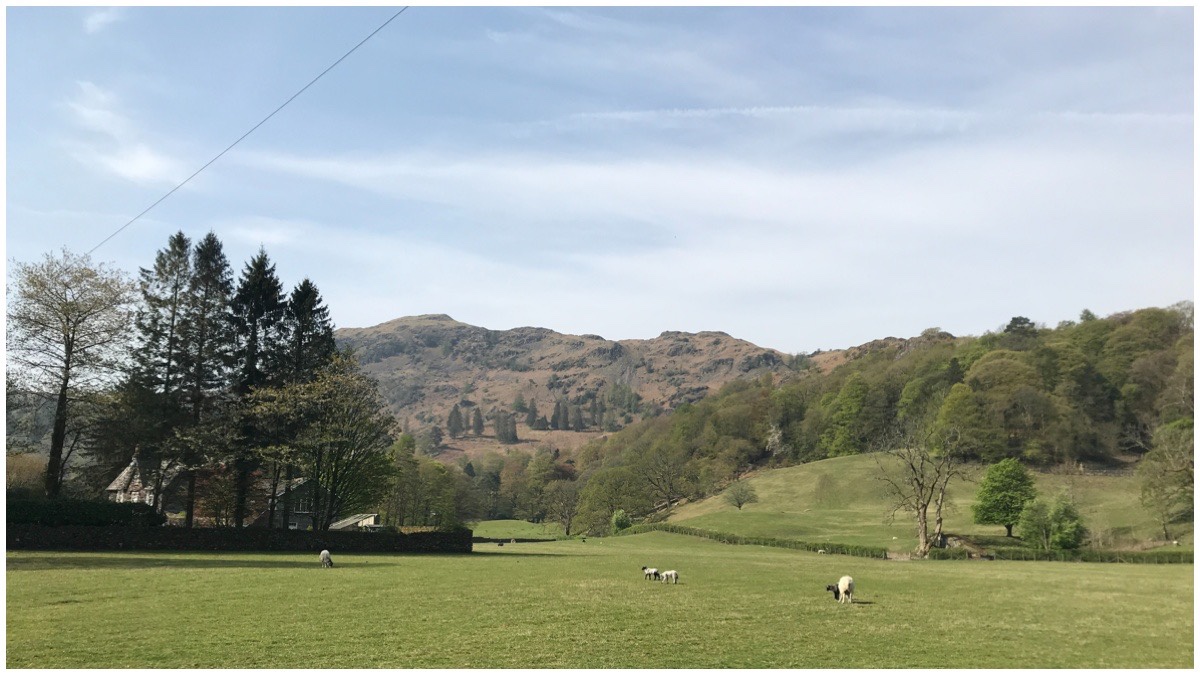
(498, 529)
(842, 500)
(584, 605)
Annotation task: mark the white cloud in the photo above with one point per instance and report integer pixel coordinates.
(114, 144)
(98, 20)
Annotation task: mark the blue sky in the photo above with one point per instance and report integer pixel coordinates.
(802, 178)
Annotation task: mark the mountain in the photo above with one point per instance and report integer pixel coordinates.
(426, 364)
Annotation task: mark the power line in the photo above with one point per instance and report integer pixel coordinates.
(252, 129)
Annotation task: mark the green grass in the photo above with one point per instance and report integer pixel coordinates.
(571, 604)
(842, 500)
(515, 529)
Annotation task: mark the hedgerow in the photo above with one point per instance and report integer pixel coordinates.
(727, 538)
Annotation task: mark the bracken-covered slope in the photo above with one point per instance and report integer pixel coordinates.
(426, 364)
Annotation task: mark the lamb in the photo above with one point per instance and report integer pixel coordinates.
(843, 591)
(821, 551)
(651, 573)
(326, 560)
(670, 575)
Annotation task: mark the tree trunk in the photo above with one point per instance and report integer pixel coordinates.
(287, 497)
(242, 488)
(189, 519)
(922, 532)
(1008, 530)
(58, 437)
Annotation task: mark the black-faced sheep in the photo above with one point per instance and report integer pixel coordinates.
(670, 575)
(326, 559)
(651, 573)
(843, 591)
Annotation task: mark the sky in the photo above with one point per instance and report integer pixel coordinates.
(800, 177)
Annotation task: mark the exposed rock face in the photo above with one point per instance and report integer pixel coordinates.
(426, 364)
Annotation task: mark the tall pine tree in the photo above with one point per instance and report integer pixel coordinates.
(258, 309)
(454, 424)
(477, 422)
(208, 350)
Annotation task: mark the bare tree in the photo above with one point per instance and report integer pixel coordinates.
(67, 322)
(916, 460)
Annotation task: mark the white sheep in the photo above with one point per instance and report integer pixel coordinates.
(843, 591)
(821, 551)
(326, 559)
(651, 573)
(670, 575)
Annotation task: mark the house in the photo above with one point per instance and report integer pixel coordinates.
(133, 485)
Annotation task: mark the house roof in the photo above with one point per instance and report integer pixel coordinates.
(352, 520)
(121, 482)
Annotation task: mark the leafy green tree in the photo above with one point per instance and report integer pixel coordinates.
(1003, 493)
(1034, 524)
(562, 503)
(344, 447)
(739, 493)
(844, 435)
(68, 319)
(1167, 475)
(1066, 526)
(620, 521)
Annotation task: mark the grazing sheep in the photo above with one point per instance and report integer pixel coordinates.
(821, 551)
(326, 559)
(843, 591)
(670, 575)
(1175, 542)
(499, 543)
(651, 573)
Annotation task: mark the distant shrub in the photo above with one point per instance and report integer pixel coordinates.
(620, 521)
(1094, 555)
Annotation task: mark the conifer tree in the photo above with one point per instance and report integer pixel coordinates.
(454, 424)
(258, 308)
(576, 418)
(208, 348)
(477, 422)
(308, 334)
(532, 416)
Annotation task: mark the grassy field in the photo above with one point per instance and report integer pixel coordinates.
(572, 604)
(519, 529)
(842, 500)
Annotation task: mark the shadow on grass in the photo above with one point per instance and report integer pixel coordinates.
(47, 560)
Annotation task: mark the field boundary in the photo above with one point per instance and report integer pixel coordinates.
(737, 539)
(124, 538)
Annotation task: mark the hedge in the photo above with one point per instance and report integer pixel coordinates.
(125, 538)
(1093, 555)
(60, 512)
(726, 538)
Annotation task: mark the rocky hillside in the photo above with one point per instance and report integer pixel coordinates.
(426, 364)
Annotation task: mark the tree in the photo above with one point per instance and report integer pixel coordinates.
(1167, 474)
(345, 440)
(1034, 524)
(562, 502)
(519, 403)
(161, 319)
(208, 348)
(454, 422)
(67, 322)
(258, 308)
(620, 521)
(531, 416)
(1049, 527)
(1003, 493)
(477, 422)
(739, 493)
(923, 458)
(306, 333)
(576, 418)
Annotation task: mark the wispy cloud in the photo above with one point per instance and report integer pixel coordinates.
(114, 144)
(97, 21)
